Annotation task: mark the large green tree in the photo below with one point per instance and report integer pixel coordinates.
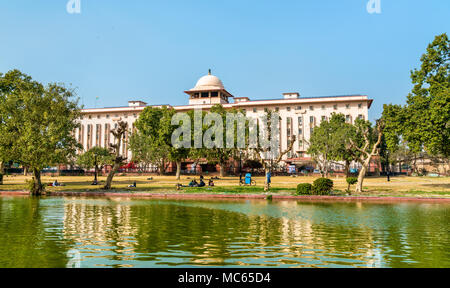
(151, 142)
(37, 123)
(424, 122)
(223, 154)
(328, 143)
(268, 155)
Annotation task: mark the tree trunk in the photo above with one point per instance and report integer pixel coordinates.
(347, 169)
(37, 188)
(362, 174)
(1, 173)
(178, 170)
(111, 176)
(25, 171)
(222, 170)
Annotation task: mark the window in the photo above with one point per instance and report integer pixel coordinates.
(324, 118)
(98, 116)
(323, 107)
(311, 119)
(300, 131)
(360, 116)
(300, 120)
(214, 94)
(135, 115)
(311, 131)
(348, 119)
(205, 95)
(244, 111)
(266, 110)
(107, 116)
(311, 108)
(335, 107)
(298, 108)
(300, 144)
(125, 116)
(359, 105)
(347, 106)
(90, 117)
(288, 109)
(254, 110)
(107, 133)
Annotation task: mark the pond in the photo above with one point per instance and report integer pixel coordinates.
(122, 232)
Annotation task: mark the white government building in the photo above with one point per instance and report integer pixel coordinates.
(299, 115)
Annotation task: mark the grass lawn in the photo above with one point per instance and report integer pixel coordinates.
(398, 187)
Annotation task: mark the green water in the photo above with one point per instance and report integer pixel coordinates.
(159, 233)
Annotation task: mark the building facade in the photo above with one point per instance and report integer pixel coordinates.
(299, 115)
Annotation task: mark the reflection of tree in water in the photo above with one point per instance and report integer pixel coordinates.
(30, 234)
(296, 234)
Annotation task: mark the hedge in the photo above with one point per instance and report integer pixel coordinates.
(322, 186)
(304, 189)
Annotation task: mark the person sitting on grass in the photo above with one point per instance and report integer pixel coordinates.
(211, 183)
(193, 183)
(57, 184)
(201, 184)
(133, 185)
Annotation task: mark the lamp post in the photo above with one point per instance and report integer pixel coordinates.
(96, 168)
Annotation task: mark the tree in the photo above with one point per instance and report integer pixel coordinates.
(96, 158)
(114, 151)
(424, 122)
(367, 144)
(267, 155)
(37, 123)
(151, 143)
(220, 155)
(328, 143)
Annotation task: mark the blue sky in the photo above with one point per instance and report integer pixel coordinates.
(154, 50)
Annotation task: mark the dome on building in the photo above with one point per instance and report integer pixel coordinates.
(208, 82)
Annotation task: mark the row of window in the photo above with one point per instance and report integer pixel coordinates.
(311, 108)
(98, 137)
(209, 94)
(108, 116)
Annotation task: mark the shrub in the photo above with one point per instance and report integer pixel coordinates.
(304, 189)
(322, 186)
(351, 181)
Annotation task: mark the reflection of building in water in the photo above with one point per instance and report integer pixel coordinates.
(218, 233)
(97, 225)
